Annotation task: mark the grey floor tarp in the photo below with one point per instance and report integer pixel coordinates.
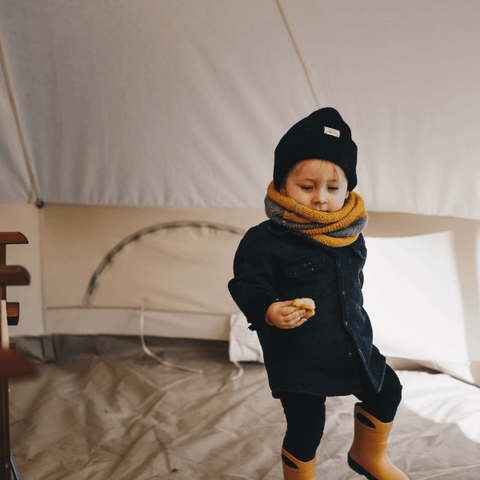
(105, 410)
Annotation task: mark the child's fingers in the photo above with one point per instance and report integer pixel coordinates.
(284, 315)
(297, 314)
(295, 324)
(294, 319)
(300, 322)
(292, 311)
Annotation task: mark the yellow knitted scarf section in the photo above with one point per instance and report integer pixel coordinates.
(336, 229)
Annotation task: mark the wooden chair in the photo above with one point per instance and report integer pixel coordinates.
(13, 364)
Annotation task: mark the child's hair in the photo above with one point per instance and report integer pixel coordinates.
(323, 135)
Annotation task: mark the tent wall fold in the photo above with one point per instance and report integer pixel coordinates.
(181, 104)
(17, 181)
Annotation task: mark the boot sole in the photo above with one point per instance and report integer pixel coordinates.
(359, 469)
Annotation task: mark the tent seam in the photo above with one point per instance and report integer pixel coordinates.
(299, 53)
(33, 185)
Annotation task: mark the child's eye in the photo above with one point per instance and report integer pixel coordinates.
(306, 187)
(333, 189)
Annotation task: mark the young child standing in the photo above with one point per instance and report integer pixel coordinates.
(312, 247)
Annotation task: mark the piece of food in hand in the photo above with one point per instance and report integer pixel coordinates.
(307, 303)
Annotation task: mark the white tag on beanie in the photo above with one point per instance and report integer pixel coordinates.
(332, 132)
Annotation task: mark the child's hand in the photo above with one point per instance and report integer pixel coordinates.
(284, 315)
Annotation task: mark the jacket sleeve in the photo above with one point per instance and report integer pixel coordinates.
(253, 285)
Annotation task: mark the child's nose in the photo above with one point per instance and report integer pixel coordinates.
(320, 196)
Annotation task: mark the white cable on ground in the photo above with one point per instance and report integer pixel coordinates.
(239, 372)
(299, 53)
(156, 357)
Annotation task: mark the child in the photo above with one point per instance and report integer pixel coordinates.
(313, 247)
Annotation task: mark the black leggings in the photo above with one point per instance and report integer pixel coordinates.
(305, 414)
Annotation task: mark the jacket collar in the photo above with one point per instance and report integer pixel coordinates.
(278, 229)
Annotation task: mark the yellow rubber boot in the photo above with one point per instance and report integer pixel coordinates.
(294, 469)
(368, 453)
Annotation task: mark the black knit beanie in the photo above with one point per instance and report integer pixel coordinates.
(322, 135)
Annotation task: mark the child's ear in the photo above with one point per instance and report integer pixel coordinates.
(347, 195)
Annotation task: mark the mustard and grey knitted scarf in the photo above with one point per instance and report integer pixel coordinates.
(336, 229)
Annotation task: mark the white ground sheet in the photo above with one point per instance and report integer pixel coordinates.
(105, 410)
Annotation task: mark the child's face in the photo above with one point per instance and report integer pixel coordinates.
(317, 184)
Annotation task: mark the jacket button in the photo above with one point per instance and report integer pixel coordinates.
(349, 354)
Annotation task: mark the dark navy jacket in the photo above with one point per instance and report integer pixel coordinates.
(323, 356)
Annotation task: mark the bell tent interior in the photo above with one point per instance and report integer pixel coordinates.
(136, 146)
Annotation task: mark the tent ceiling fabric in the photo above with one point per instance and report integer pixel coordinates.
(181, 103)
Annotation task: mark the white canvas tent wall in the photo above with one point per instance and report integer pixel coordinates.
(119, 115)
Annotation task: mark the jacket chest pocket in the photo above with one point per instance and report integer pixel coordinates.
(307, 272)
